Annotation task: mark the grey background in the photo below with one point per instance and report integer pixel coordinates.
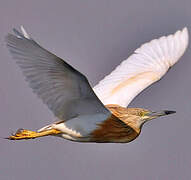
(94, 37)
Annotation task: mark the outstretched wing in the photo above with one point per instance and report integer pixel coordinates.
(65, 90)
(147, 65)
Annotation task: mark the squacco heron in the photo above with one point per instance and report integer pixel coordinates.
(100, 114)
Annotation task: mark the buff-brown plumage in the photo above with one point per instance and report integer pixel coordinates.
(122, 126)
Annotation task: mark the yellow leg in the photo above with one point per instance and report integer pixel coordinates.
(26, 134)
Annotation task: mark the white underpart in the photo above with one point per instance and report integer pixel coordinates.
(78, 127)
(146, 66)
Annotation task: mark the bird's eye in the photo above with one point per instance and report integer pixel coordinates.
(142, 113)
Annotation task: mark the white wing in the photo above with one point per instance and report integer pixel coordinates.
(65, 90)
(146, 66)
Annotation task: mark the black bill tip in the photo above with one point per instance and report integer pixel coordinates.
(169, 112)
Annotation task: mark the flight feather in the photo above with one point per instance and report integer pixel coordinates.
(65, 90)
(147, 65)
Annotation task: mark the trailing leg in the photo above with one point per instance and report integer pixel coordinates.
(27, 134)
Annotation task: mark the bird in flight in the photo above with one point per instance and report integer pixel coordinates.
(99, 114)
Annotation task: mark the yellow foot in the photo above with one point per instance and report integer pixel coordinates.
(23, 134)
(26, 134)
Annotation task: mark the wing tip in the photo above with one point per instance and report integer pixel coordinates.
(185, 35)
(169, 48)
(19, 34)
(185, 30)
(24, 32)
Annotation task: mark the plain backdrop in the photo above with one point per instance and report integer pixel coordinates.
(94, 37)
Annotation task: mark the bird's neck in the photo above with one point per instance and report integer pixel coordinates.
(124, 115)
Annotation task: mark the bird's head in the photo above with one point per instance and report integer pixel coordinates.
(136, 117)
(143, 115)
